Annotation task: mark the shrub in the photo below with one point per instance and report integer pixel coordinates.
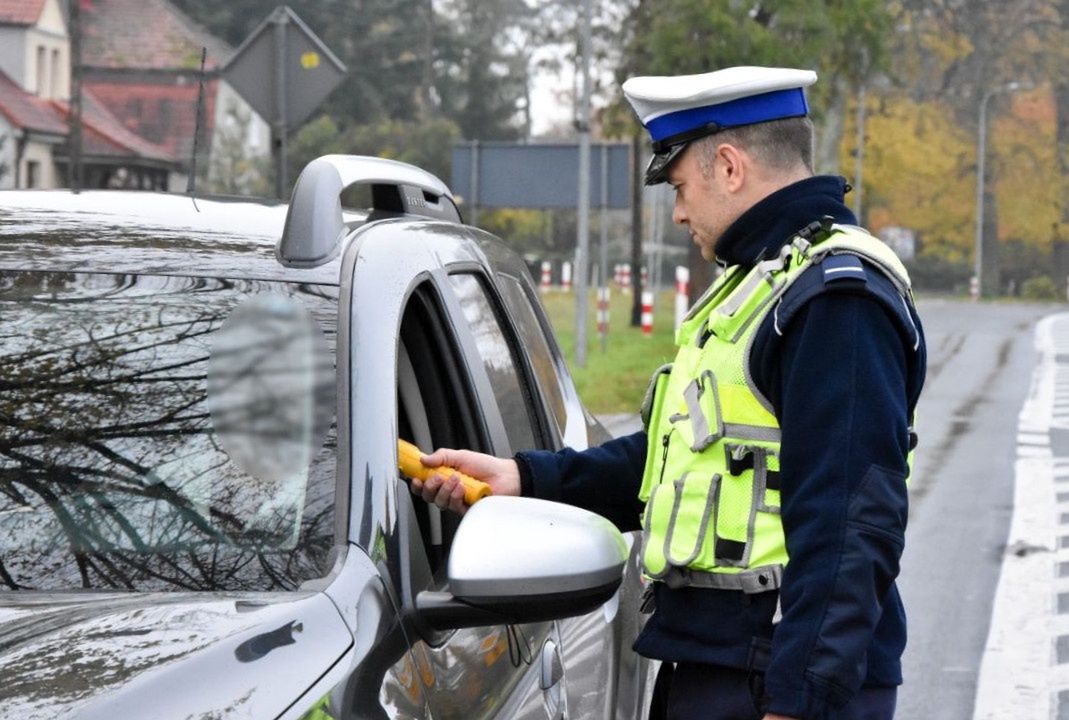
(1041, 287)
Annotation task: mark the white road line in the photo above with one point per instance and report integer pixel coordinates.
(1016, 673)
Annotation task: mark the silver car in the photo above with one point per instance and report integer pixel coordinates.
(201, 514)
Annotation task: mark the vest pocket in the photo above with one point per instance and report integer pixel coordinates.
(763, 463)
(679, 518)
(703, 423)
(768, 484)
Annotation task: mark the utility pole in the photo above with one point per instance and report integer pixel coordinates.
(636, 230)
(583, 240)
(280, 126)
(603, 255)
(75, 171)
(981, 152)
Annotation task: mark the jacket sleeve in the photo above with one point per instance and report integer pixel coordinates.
(837, 379)
(604, 479)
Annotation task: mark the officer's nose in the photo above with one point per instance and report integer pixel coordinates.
(679, 213)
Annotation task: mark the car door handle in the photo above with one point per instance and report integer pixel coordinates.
(552, 669)
(552, 688)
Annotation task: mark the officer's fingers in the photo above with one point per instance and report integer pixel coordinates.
(431, 486)
(444, 497)
(456, 499)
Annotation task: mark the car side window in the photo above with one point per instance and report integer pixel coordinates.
(515, 399)
(436, 407)
(534, 341)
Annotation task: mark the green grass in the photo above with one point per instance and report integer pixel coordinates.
(614, 380)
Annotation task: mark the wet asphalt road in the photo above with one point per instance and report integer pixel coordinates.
(980, 363)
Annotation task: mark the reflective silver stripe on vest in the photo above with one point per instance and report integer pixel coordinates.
(757, 580)
(647, 400)
(751, 432)
(762, 272)
(704, 435)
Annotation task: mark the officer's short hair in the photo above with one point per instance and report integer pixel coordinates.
(778, 144)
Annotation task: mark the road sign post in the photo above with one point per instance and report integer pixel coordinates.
(284, 71)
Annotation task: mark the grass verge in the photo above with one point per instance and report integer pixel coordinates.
(615, 379)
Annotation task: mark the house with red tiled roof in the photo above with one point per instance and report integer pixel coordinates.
(141, 59)
(34, 61)
(140, 84)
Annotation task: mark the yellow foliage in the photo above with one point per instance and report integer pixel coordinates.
(918, 173)
(1024, 146)
(920, 170)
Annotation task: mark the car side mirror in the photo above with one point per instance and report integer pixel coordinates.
(521, 560)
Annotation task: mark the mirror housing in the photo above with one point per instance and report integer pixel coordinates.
(521, 560)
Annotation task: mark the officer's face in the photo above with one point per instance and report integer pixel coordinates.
(703, 203)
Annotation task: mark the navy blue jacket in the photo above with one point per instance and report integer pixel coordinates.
(842, 365)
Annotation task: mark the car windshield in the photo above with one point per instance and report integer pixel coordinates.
(165, 433)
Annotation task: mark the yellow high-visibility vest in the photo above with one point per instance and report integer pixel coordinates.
(711, 480)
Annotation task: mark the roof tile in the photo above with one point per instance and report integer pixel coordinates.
(20, 12)
(160, 110)
(29, 111)
(146, 34)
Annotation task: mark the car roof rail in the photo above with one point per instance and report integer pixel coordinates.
(315, 227)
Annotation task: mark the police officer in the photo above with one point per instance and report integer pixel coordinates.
(783, 429)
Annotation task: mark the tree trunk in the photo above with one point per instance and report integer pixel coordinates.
(1060, 251)
(830, 136)
(424, 101)
(991, 282)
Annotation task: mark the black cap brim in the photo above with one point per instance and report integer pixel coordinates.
(657, 170)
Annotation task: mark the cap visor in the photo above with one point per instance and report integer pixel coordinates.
(657, 170)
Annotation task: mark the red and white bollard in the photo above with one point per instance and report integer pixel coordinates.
(645, 278)
(547, 276)
(566, 276)
(647, 313)
(682, 293)
(603, 312)
(625, 277)
(974, 288)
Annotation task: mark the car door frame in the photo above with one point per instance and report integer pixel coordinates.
(392, 270)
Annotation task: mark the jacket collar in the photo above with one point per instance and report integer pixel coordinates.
(764, 228)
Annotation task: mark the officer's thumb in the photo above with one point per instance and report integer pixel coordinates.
(441, 456)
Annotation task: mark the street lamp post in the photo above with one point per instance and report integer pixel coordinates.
(981, 151)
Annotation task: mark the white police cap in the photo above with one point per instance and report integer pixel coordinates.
(681, 108)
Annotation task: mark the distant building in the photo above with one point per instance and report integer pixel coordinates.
(141, 58)
(141, 78)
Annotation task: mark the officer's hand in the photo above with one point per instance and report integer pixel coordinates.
(770, 716)
(443, 488)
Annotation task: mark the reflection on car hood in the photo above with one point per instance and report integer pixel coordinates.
(164, 655)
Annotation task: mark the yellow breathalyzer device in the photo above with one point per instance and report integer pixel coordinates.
(408, 462)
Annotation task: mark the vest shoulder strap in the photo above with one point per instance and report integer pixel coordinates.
(848, 274)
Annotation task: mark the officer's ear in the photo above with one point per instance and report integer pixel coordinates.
(732, 165)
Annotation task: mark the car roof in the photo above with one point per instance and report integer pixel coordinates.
(149, 233)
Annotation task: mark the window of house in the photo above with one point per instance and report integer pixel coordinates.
(33, 174)
(56, 69)
(41, 74)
